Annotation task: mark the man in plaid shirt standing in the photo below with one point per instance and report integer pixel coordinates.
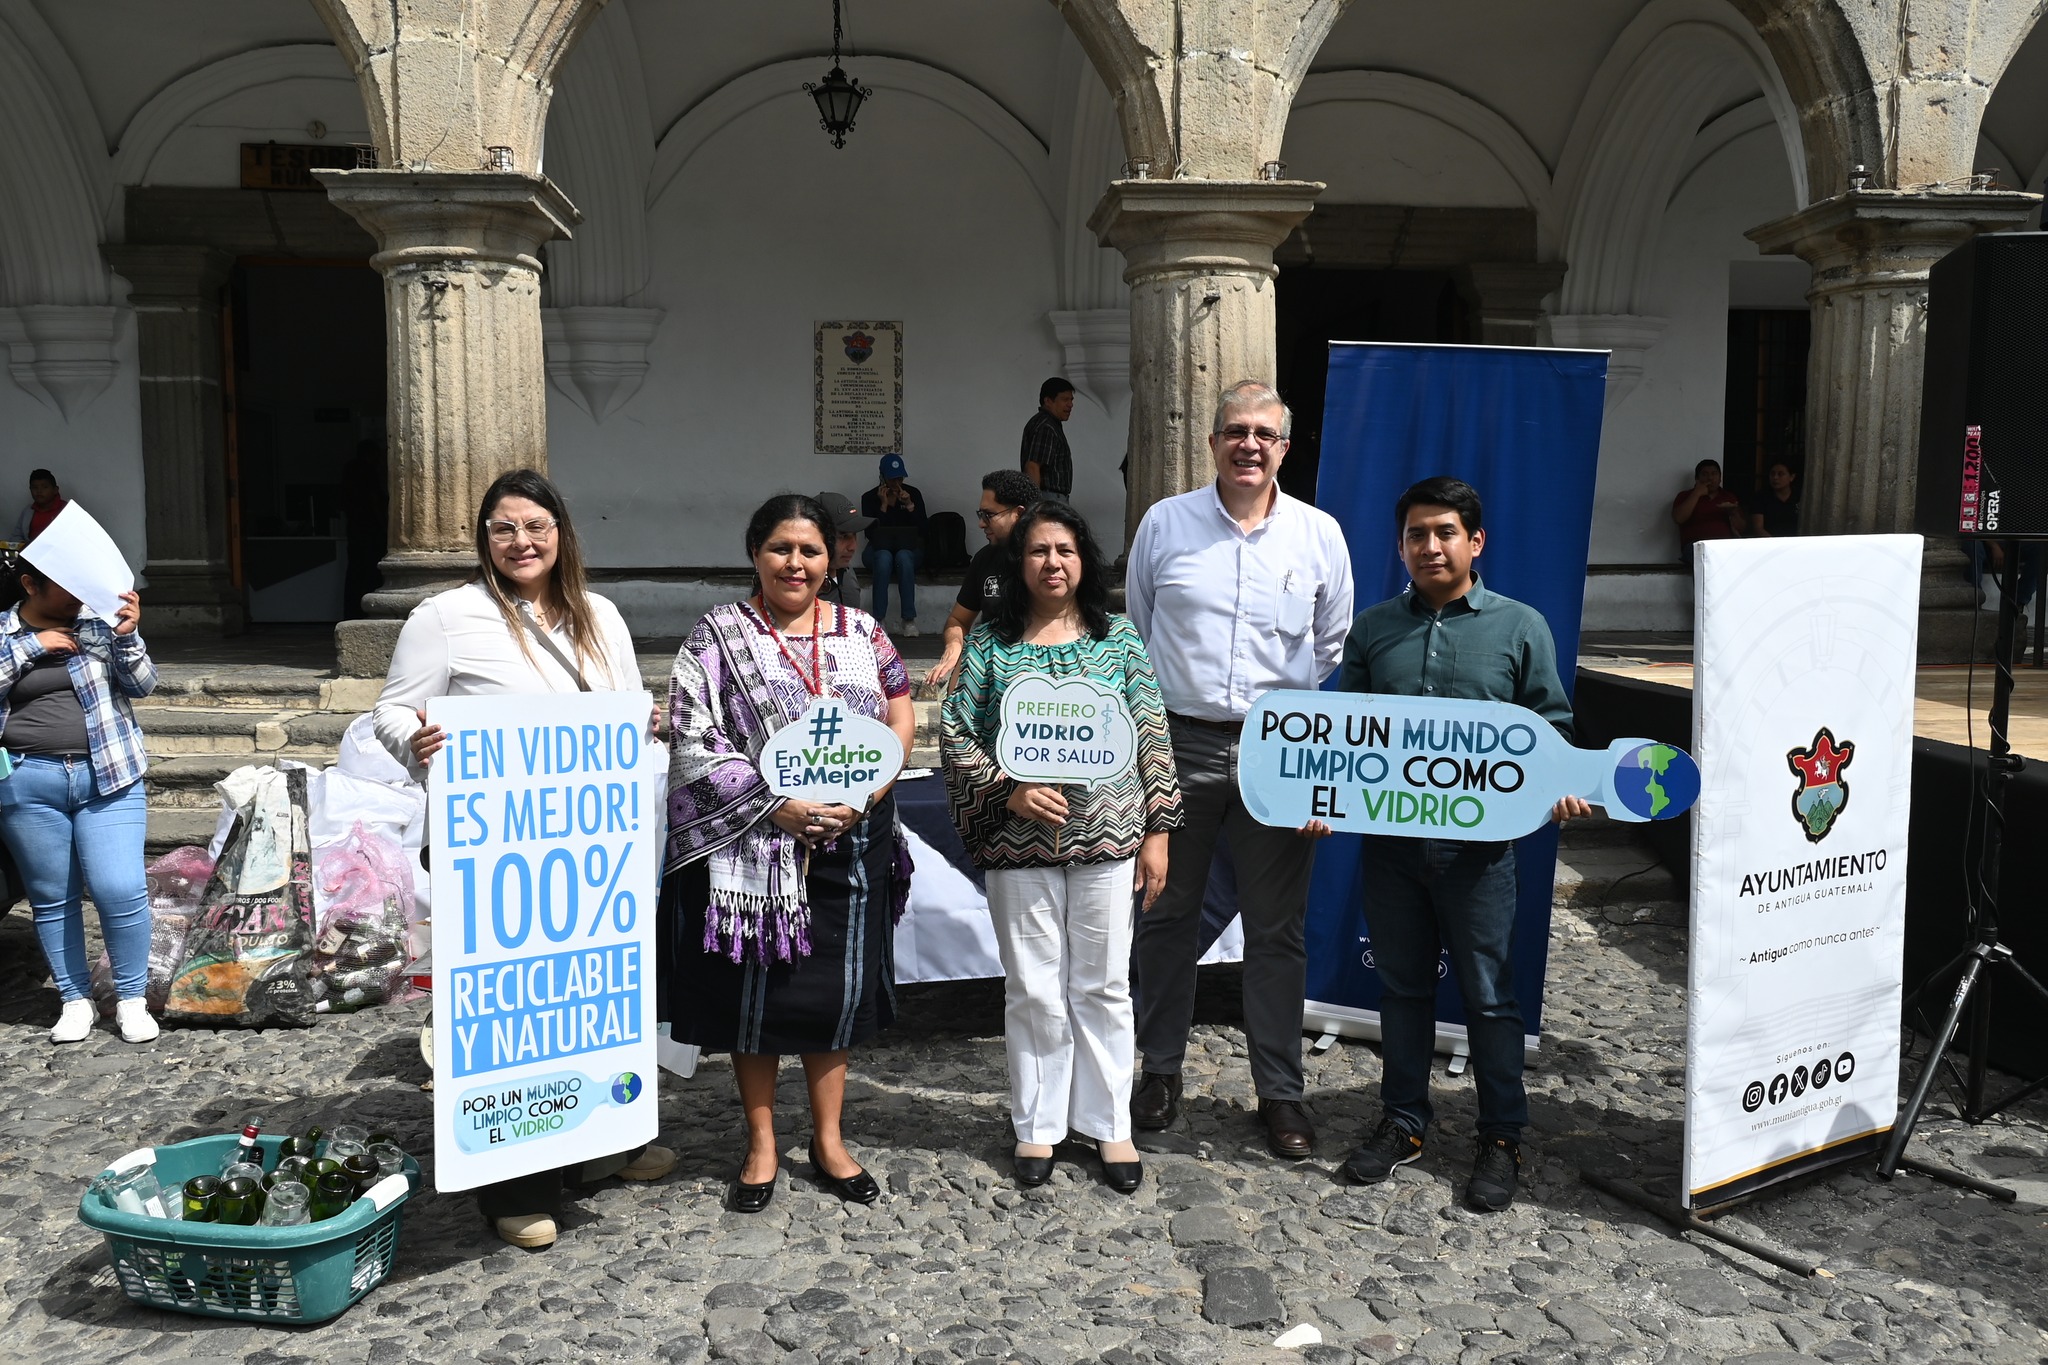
(1045, 459)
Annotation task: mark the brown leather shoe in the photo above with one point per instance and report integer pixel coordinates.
(1155, 1104)
(1289, 1134)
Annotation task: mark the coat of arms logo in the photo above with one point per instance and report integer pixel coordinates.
(1822, 793)
(859, 346)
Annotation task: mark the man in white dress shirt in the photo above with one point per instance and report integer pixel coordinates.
(1238, 589)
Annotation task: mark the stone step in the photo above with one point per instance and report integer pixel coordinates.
(186, 781)
(1594, 874)
(177, 730)
(169, 829)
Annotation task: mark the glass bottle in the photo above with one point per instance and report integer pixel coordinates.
(245, 1151)
(288, 1205)
(306, 1144)
(361, 1169)
(390, 1158)
(240, 1201)
(202, 1199)
(333, 1195)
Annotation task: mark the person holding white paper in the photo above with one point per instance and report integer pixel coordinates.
(1062, 862)
(525, 622)
(72, 808)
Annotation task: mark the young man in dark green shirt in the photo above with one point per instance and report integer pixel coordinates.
(1447, 636)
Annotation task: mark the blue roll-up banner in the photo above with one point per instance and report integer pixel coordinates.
(1521, 425)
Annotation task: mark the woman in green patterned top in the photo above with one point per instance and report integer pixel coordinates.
(1063, 864)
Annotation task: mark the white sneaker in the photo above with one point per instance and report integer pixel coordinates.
(910, 631)
(74, 1023)
(136, 1025)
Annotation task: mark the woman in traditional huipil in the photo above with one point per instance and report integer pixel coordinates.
(778, 916)
(1062, 862)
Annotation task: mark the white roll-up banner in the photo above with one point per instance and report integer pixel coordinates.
(1803, 730)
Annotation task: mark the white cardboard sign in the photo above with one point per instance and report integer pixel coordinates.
(76, 553)
(1065, 730)
(831, 754)
(542, 811)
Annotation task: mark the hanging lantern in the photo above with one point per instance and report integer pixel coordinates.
(838, 97)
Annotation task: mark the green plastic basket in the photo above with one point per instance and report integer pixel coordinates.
(307, 1273)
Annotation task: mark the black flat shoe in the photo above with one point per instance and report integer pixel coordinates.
(747, 1198)
(858, 1188)
(1031, 1171)
(1123, 1176)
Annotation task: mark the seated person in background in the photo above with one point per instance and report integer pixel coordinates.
(44, 503)
(842, 585)
(1005, 493)
(895, 540)
(1706, 511)
(1774, 510)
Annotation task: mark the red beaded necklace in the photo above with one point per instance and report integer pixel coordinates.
(815, 684)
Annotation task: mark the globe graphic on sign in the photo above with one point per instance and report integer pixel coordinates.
(1657, 781)
(625, 1088)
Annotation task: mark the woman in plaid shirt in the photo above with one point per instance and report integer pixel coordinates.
(72, 810)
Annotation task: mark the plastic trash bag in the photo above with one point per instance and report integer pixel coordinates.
(246, 952)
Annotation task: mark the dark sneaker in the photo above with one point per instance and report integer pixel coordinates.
(1155, 1104)
(1388, 1149)
(1494, 1175)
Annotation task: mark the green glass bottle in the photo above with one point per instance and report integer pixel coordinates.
(332, 1195)
(202, 1199)
(361, 1169)
(240, 1201)
(306, 1144)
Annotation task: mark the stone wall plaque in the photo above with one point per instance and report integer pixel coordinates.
(857, 388)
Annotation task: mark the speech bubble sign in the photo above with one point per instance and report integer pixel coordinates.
(831, 754)
(1440, 767)
(76, 553)
(1065, 731)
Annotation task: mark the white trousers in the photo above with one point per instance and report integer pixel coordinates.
(1065, 938)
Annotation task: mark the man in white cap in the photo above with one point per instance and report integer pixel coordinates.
(843, 586)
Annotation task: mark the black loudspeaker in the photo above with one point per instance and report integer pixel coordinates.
(1984, 400)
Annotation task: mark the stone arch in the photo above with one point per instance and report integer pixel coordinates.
(50, 236)
(1677, 67)
(57, 325)
(784, 80)
(172, 107)
(1501, 139)
(1822, 60)
(600, 150)
(1134, 65)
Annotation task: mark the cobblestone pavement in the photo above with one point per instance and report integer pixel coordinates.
(1220, 1250)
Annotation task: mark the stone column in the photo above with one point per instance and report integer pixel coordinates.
(1871, 251)
(175, 292)
(1510, 295)
(460, 256)
(1201, 272)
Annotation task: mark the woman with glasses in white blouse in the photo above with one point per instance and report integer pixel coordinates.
(525, 622)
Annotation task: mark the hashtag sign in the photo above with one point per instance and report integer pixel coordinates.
(825, 727)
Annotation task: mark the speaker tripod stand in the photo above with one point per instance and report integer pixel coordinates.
(1978, 966)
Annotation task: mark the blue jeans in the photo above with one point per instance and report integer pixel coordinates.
(900, 565)
(66, 840)
(1420, 893)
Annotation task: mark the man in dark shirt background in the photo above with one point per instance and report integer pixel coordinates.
(895, 513)
(1774, 509)
(1005, 493)
(1045, 459)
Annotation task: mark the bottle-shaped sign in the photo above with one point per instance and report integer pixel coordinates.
(1440, 768)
